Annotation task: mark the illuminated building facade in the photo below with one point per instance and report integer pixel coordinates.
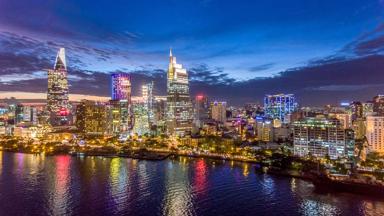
(320, 137)
(57, 98)
(120, 118)
(160, 114)
(121, 86)
(179, 106)
(375, 133)
(280, 105)
(148, 100)
(219, 111)
(141, 121)
(25, 114)
(91, 117)
(201, 110)
(263, 129)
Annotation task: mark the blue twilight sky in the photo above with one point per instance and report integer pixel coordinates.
(234, 50)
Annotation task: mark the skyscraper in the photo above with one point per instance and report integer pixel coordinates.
(121, 86)
(57, 98)
(219, 111)
(120, 114)
(179, 106)
(201, 110)
(278, 106)
(148, 99)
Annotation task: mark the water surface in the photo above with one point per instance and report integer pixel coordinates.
(66, 185)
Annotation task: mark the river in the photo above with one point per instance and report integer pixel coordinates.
(67, 185)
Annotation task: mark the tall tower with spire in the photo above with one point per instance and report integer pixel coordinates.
(57, 97)
(179, 106)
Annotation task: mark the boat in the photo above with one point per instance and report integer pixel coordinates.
(346, 183)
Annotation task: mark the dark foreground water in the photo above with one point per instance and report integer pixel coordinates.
(65, 185)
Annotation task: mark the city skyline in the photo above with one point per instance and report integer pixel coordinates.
(292, 48)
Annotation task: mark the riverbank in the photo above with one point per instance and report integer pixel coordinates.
(320, 180)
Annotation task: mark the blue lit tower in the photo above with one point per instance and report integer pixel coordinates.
(120, 115)
(121, 86)
(278, 106)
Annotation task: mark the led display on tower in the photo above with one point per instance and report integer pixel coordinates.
(278, 106)
(121, 86)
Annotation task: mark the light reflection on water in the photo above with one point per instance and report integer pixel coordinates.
(177, 196)
(65, 185)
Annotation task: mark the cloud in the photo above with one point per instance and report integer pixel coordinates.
(261, 67)
(24, 58)
(211, 76)
(369, 43)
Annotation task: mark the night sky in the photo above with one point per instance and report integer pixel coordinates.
(324, 51)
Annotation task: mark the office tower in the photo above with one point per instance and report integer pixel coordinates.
(119, 118)
(322, 137)
(119, 115)
(80, 116)
(378, 105)
(201, 110)
(149, 100)
(179, 106)
(91, 117)
(141, 121)
(57, 97)
(280, 105)
(375, 133)
(19, 114)
(121, 86)
(263, 129)
(160, 111)
(219, 111)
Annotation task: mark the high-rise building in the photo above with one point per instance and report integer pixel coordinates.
(280, 105)
(149, 100)
(378, 105)
(179, 106)
(121, 86)
(219, 111)
(321, 137)
(57, 98)
(120, 115)
(263, 129)
(141, 121)
(375, 133)
(91, 117)
(25, 114)
(201, 110)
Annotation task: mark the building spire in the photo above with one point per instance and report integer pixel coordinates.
(170, 52)
(60, 60)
